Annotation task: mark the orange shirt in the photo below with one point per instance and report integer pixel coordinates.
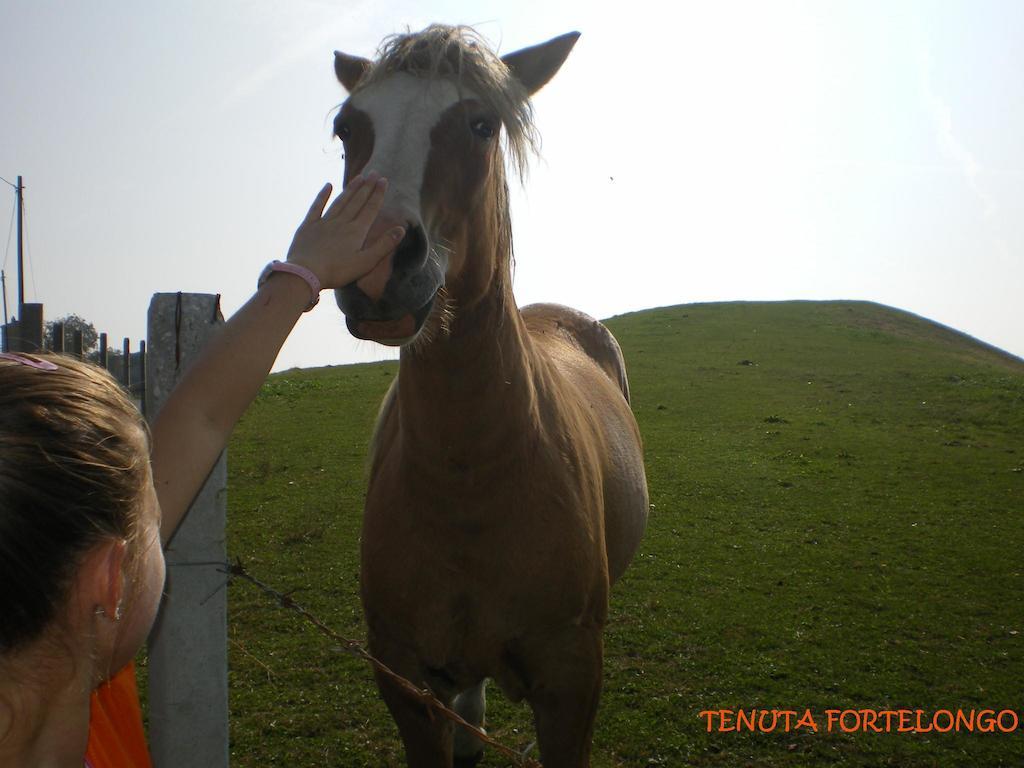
(116, 738)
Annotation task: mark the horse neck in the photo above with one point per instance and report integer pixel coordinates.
(474, 383)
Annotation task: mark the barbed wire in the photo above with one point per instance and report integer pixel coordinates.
(354, 648)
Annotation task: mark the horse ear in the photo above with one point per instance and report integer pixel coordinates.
(349, 69)
(534, 66)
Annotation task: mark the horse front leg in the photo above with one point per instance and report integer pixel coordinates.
(565, 685)
(426, 736)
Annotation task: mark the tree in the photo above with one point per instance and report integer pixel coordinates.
(73, 323)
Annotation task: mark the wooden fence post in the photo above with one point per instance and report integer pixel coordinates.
(103, 361)
(188, 681)
(58, 338)
(76, 344)
(30, 328)
(126, 359)
(142, 377)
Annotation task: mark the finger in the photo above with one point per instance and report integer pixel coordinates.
(365, 216)
(345, 199)
(384, 244)
(365, 261)
(354, 205)
(346, 194)
(317, 208)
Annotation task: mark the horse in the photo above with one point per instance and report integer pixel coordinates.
(506, 490)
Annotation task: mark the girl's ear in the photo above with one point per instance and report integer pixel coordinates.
(350, 69)
(100, 579)
(534, 66)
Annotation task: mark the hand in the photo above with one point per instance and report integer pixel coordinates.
(332, 245)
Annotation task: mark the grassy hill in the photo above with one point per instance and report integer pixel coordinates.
(837, 493)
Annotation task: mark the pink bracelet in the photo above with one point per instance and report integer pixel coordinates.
(293, 269)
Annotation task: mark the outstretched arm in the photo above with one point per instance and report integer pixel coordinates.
(193, 427)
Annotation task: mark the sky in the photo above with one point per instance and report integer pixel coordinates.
(692, 152)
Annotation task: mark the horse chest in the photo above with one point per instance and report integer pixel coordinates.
(466, 589)
(472, 563)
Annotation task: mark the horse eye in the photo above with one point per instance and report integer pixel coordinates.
(482, 128)
(343, 131)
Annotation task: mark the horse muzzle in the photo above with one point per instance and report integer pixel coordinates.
(391, 303)
(391, 333)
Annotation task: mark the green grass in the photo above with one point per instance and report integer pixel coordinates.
(836, 490)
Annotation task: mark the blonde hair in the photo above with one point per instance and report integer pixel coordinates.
(73, 469)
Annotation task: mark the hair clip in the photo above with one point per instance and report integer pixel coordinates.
(42, 365)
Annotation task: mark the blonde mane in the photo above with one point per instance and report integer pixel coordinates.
(460, 54)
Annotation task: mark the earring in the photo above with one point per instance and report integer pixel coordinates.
(118, 612)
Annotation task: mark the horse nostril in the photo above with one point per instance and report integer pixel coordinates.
(412, 251)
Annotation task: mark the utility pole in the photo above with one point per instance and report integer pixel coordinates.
(21, 255)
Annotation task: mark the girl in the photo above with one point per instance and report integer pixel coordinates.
(87, 495)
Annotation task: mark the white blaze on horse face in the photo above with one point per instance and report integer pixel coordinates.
(403, 110)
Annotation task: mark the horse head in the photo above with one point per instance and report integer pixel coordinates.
(429, 115)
